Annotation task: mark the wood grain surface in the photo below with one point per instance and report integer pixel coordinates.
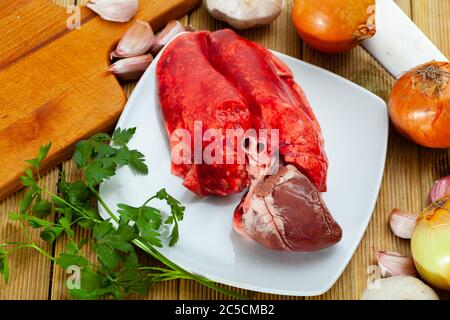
(410, 170)
(55, 86)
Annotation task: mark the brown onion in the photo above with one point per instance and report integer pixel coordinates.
(419, 105)
(334, 25)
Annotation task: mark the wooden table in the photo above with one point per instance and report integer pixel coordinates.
(410, 170)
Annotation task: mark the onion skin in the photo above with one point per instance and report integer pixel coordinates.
(430, 244)
(420, 109)
(334, 26)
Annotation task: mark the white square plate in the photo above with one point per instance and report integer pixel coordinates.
(355, 129)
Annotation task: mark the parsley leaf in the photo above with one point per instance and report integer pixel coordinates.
(42, 154)
(131, 278)
(93, 285)
(28, 180)
(147, 219)
(85, 150)
(122, 137)
(176, 208)
(98, 171)
(4, 265)
(65, 260)
(99, 160)
(33, 221)
(135, 160)
(111, 242)
(50, 234)
(76, 193)
(26, 201)
(177, 214)
(42, 208)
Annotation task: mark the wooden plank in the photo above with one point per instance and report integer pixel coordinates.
(60, 91)
(27, 25)
(27, 281)
(30, 271)
(432, 19)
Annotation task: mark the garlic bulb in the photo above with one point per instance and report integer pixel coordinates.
(114, 10)
(243, 14)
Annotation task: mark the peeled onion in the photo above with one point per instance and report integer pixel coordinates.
(419, 105)
(334, 25)
(430, 244)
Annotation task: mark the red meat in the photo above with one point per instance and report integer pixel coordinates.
(202, 75)
(285, 212)
(274, 99)
(190, 90)
(228, 82)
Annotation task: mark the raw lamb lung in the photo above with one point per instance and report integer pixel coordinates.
(190, 90)
(274, 99)
(228, 82)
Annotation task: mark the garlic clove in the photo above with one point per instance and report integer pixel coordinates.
(131, 68)
(136, 41)
(114, 10)
(172, 29)
(402, 223)
(243, 14)
(440, 189)
(394, 264)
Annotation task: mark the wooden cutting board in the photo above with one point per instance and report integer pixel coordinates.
(53, 82)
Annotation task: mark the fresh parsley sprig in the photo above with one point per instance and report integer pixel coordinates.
(115, 272)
